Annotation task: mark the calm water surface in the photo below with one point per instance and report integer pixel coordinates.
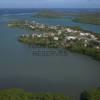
(19, 68)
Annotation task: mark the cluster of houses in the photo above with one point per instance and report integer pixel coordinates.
(69, 34)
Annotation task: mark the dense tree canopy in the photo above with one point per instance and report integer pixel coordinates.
(18, 94)
(91, 95)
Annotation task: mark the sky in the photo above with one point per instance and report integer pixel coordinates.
(49, 3)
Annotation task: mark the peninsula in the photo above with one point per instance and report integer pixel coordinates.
(73, 39)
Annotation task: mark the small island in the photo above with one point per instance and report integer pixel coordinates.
(73, 39)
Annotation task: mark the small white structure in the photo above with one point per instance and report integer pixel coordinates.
(82, 34)
(93, 37)
(32, 27)
(39, 35)
(70, 38)
(85, 43)
(87, 34)
(59, 32)
(69, 30)
(97, 47)
(56, 38)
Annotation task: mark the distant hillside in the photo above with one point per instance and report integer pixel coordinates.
(49, 14)
(88, 19)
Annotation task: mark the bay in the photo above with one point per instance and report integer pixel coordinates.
(69, 74)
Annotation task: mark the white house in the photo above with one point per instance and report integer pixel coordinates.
(31, 26)
(87, 34)
(69, 30)
(93, 37)
(82, 34)
(97, 47)
(56, 38)
(59, 32)
(39, 35)
(70, 37)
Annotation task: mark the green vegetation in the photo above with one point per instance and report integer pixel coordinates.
(19, 94)
(45, 42)
(22, 24)
(92, 52)
(16, 23)
(74, 46)
(78, 28)
(88, 19)
(49, 14)
(91, 95)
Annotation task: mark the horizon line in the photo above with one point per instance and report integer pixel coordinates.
(45, 8)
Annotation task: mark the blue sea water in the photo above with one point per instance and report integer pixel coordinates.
(69, 74)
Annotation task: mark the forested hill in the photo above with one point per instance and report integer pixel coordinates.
(88, 18)
(49, 14)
